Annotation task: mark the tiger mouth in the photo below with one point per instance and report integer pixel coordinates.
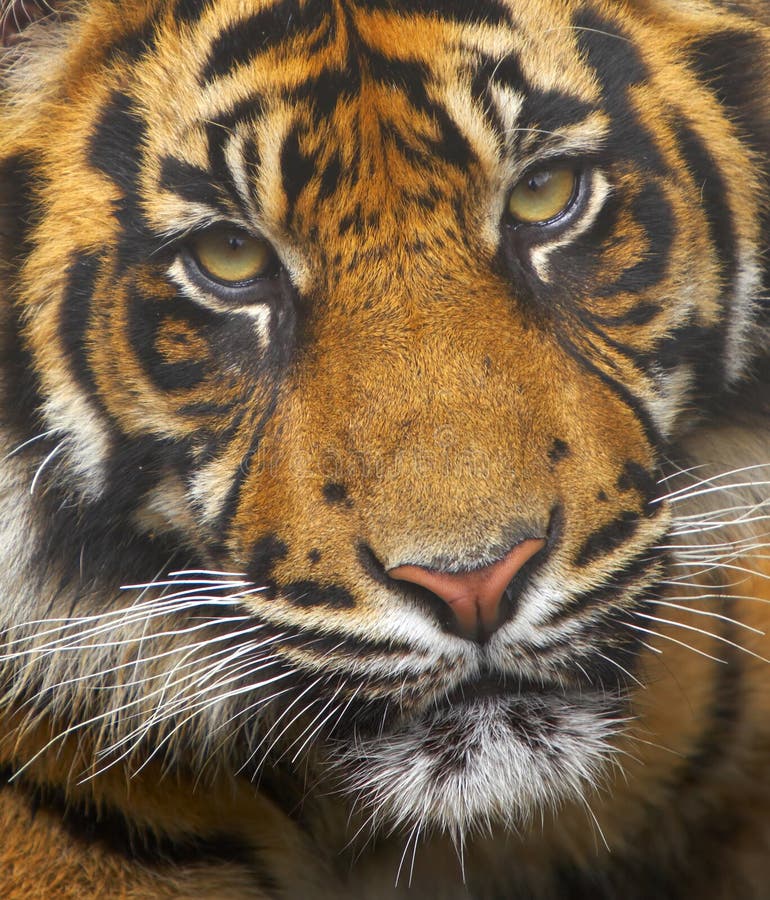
(489, 689)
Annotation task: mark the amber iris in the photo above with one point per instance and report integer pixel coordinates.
(231, 256)
(543, 195)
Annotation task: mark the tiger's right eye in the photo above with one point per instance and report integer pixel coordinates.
(543, 195)
(233, 257)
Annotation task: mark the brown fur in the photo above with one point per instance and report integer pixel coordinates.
(409, 412)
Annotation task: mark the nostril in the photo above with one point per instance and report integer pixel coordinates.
(474, 597)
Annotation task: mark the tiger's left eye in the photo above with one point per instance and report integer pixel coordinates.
(232, 257)
(543, 195)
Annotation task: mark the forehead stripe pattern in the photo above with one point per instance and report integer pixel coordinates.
(121, 128)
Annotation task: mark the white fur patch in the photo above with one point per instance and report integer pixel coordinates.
(490, 761)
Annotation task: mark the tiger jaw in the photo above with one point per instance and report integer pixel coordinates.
(497, 758)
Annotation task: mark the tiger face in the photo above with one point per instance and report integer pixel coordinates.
(383, 321)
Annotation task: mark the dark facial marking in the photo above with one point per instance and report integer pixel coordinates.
(712, 193)
(652, 211)
(612, 55)
(618, 66)
(549, 110)
(268, 551)
(608, 537)
(619, 583)
(635, 477)
(244, 40)
(640, 314)
(116, 143)
(732, 64)
(330, 177)
(147, 318)
(336, 494)
(76, 315)
(559, 450)
(190, 182)
(372, 566)
(296, 170)
(312, 593)
(116, 149)
(627, 397)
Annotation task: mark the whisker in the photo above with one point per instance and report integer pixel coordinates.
(32, 440)
(667, 637)
(710, 634)
(55, 452)
(705, 612)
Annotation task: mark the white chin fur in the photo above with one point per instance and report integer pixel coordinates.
(478, 764)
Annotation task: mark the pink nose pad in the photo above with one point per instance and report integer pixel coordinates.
(474, 597)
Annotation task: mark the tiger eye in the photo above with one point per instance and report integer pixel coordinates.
(543, 195)
(232, 256)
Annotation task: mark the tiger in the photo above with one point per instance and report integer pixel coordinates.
(384, 449)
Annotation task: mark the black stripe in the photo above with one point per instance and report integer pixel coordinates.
(296, 170)
(735, 65)
(146, 318)
(699, 346)
(244, 40)
(76, 316)
(190, 11)
(608, 537)
(109, 828)
(610, 51)
(230, 505)
(115, 147)
(217, 136)
(190, 182)
(331, 175)
(505, 72)
(309, 593)
(727, 705)
(451, 146)
(635, 477)
(712, 192)
(407, 75)
(618, 65)
(651, 432)
(652, 212)
(19, 217)
(411, 77)
(344, 643)
(326, 90)
(550, 110)
(134, 45)
(641, 313)
(616, 588)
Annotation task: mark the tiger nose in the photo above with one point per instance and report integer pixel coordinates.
(474, 597)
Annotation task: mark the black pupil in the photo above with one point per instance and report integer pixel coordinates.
(538, 181)
(235, 243)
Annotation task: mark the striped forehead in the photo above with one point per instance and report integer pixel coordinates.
(270, 97)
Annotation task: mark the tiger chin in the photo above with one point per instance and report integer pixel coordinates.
(384, 449)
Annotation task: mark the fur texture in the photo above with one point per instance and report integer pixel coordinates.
(210, 685)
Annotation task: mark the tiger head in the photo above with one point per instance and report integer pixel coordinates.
(376, 321)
